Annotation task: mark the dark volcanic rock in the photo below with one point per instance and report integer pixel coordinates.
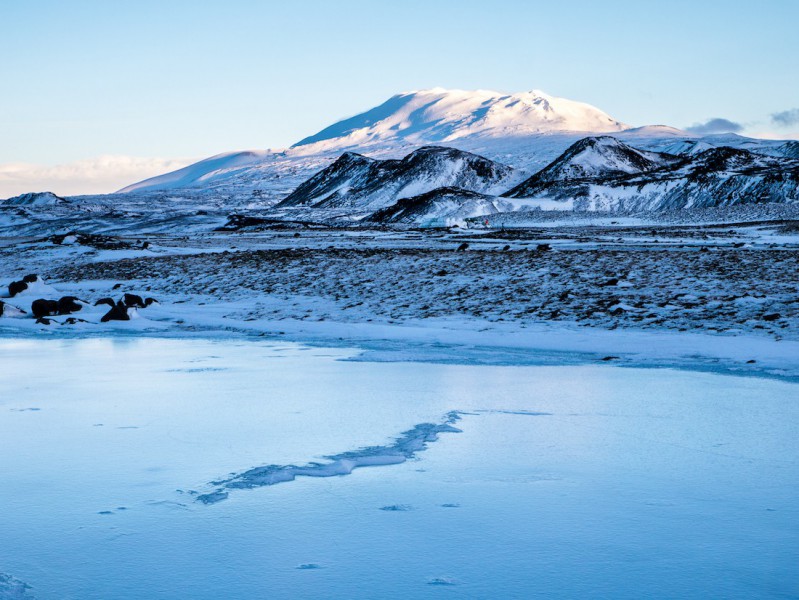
(108, 301)
(68, 305)
(133, 300)
(16, 287)
(100, 242)
(44, 308)
(442, 204)
(236, 222)
(119, 312)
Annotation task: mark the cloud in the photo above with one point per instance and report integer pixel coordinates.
(774, 135)
(786, 118)
(715, 125)
(100, 175)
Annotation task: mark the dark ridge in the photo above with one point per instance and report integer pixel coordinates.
(327, 180)
(613, 151)
(407, 208)
(721, 176)
(355, 181)
(237, 222)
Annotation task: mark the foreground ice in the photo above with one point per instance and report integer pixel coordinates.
(574, 481)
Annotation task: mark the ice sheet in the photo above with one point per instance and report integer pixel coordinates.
(573, 481)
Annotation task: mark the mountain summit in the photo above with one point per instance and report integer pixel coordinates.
(439, 115)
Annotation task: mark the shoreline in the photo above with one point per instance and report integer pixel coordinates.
(478, 343)
(706, 299)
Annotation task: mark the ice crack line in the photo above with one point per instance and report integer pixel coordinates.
(404, 448)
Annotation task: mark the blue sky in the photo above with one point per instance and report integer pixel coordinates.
(187, 79)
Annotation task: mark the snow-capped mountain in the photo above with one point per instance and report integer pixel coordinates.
(493, 153)
(525, 130)
(686, 147)
(439, 115)
(367, 184)
(511, 128)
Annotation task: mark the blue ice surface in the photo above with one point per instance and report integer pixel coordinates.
(569, 481)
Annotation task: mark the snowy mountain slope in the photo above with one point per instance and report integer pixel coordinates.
(687, 147)
(789, 149)
(278, 173)
(594, 157)
(203, 171)
(366, 184)
(443, 207)
(350, 170)
(714, 177)
(439, 115)
(659, 140)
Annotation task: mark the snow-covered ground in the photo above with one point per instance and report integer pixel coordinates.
(726, 281)
(637, 293)
(562, 482)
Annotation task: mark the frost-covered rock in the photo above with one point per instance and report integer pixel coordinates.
(34, 199)
(8, 310)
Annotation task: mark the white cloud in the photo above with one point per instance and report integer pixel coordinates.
(773, 135)
(100, 175)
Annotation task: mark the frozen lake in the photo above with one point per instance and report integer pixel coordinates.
(564, 482)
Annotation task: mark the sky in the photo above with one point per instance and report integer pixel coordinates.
(114, 92)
